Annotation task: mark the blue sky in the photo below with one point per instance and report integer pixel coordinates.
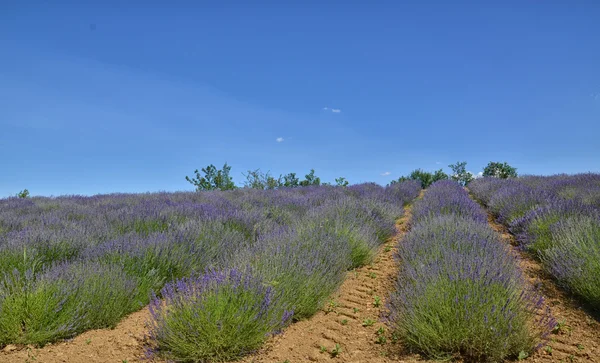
(120, 97)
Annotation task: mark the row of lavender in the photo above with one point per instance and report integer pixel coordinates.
(557, 218)
(225, 268)
(460, 291)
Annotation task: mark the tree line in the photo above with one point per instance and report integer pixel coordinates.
(460, 173)
(211, 178)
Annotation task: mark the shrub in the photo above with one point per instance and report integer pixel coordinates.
(460, 291)
(218, 316)
(460, 173)
(307, 265)
(37, 308)
(444, 198)
(574, 257)
(515, 199)
(533, 230)
(23, 194)
(499, 170)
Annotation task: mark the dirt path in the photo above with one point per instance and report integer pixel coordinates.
(578, 337)
(120, 345)
(351, 320)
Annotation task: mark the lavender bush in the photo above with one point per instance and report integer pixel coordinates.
(574, 257)
(447, 198)
(552, 217)
(459, 289)
(63, 300)
(218, 316)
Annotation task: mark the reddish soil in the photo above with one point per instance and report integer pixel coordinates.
(122, 344)
(578, 337)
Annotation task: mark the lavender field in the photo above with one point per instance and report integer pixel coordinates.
(460, 291)
(557, 219)
(221, 271)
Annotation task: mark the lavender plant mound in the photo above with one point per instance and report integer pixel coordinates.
(483, 189)
(446, 197)
(514, 200)
(64, 300)
(459, 289)
(218, 316)
(533, 230)
(553, 217)
(306, 265)
(300, 242)
(574, 257)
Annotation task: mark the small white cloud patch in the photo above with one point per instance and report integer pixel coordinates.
(386, 173)
(279, 139)
(336, 110)
(438, 162)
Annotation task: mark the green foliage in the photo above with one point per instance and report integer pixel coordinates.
(23, 193)
(37, 307)
(368, 322)
(310, 179)
(291, 181)
(573, 257)
(500, 170)
(258, 180)
(424, 177)
(215, 319)
(460, 173)
(213, 179)
(341, 182)
(336, 351)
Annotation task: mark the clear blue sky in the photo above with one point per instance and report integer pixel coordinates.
(125, 97)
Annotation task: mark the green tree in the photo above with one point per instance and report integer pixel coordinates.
(310, 179)
(341, 182)
(460, 173)
(291, 181)
(213, 179)
(439, 175)
(258, 180)
(272, 183)
(424, 177)
(23, 194)
(500, 170)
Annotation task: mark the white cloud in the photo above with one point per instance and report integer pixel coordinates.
(438, 162)
(478, 175)
(596, 96)
(336, 110)
(385, 173)
(279, 139)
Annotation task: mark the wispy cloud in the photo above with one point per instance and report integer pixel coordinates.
(438, 162)
(596, 96)
(334, 110)
(386, 173)
(279, 139)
